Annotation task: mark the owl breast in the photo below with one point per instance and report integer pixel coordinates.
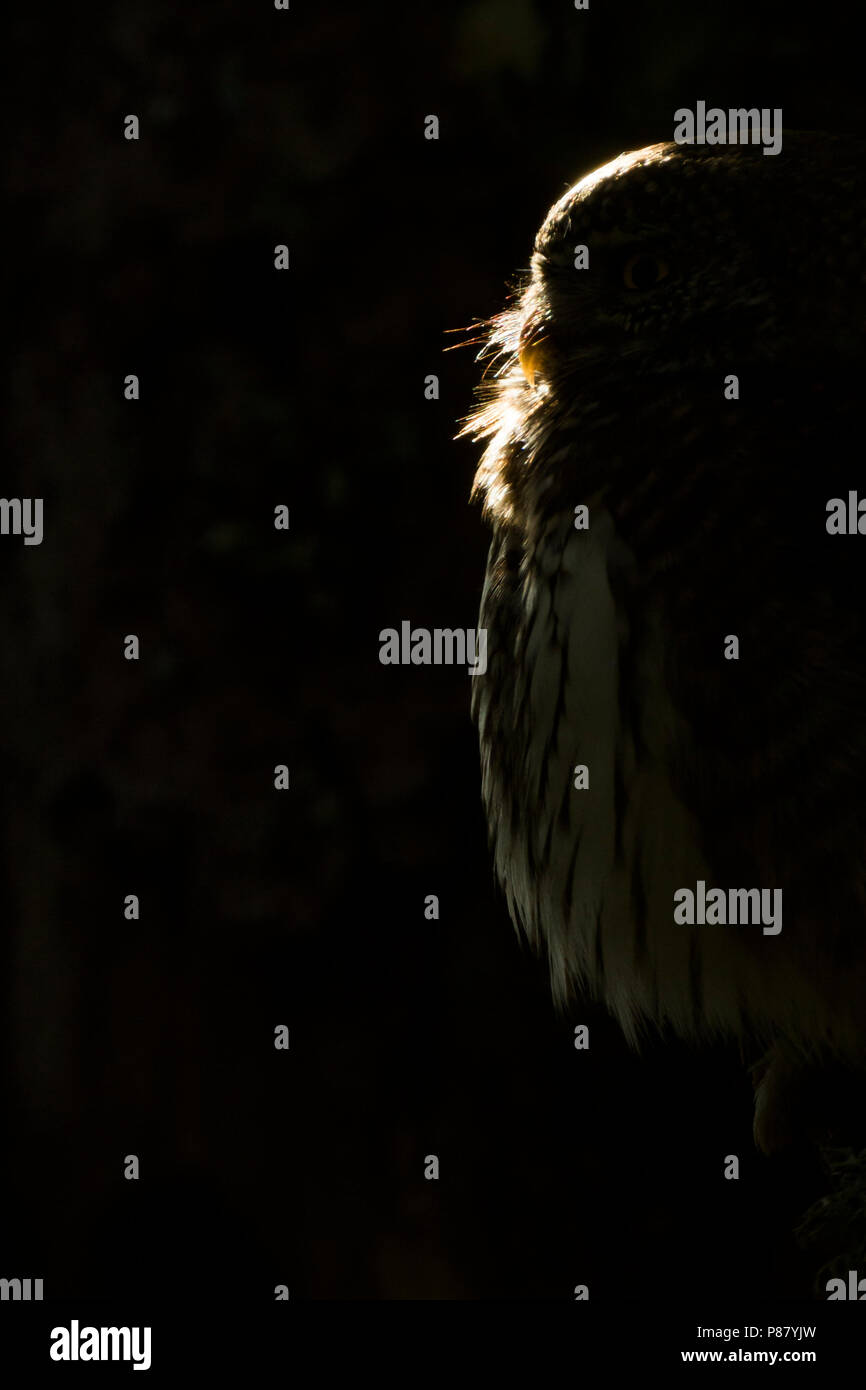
(590, 840)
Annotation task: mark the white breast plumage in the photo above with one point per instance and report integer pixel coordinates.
(591, 872)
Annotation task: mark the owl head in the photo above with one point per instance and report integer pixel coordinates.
(654, 276)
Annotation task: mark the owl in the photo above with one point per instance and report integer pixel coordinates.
(675, 695)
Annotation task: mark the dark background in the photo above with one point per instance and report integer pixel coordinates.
(408, 1037)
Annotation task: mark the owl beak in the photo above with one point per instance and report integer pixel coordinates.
(531, 348)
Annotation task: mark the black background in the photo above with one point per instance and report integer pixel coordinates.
(306, 908)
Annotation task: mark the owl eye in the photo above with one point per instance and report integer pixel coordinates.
(643, 270)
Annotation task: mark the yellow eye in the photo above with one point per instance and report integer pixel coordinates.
(643, 271)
